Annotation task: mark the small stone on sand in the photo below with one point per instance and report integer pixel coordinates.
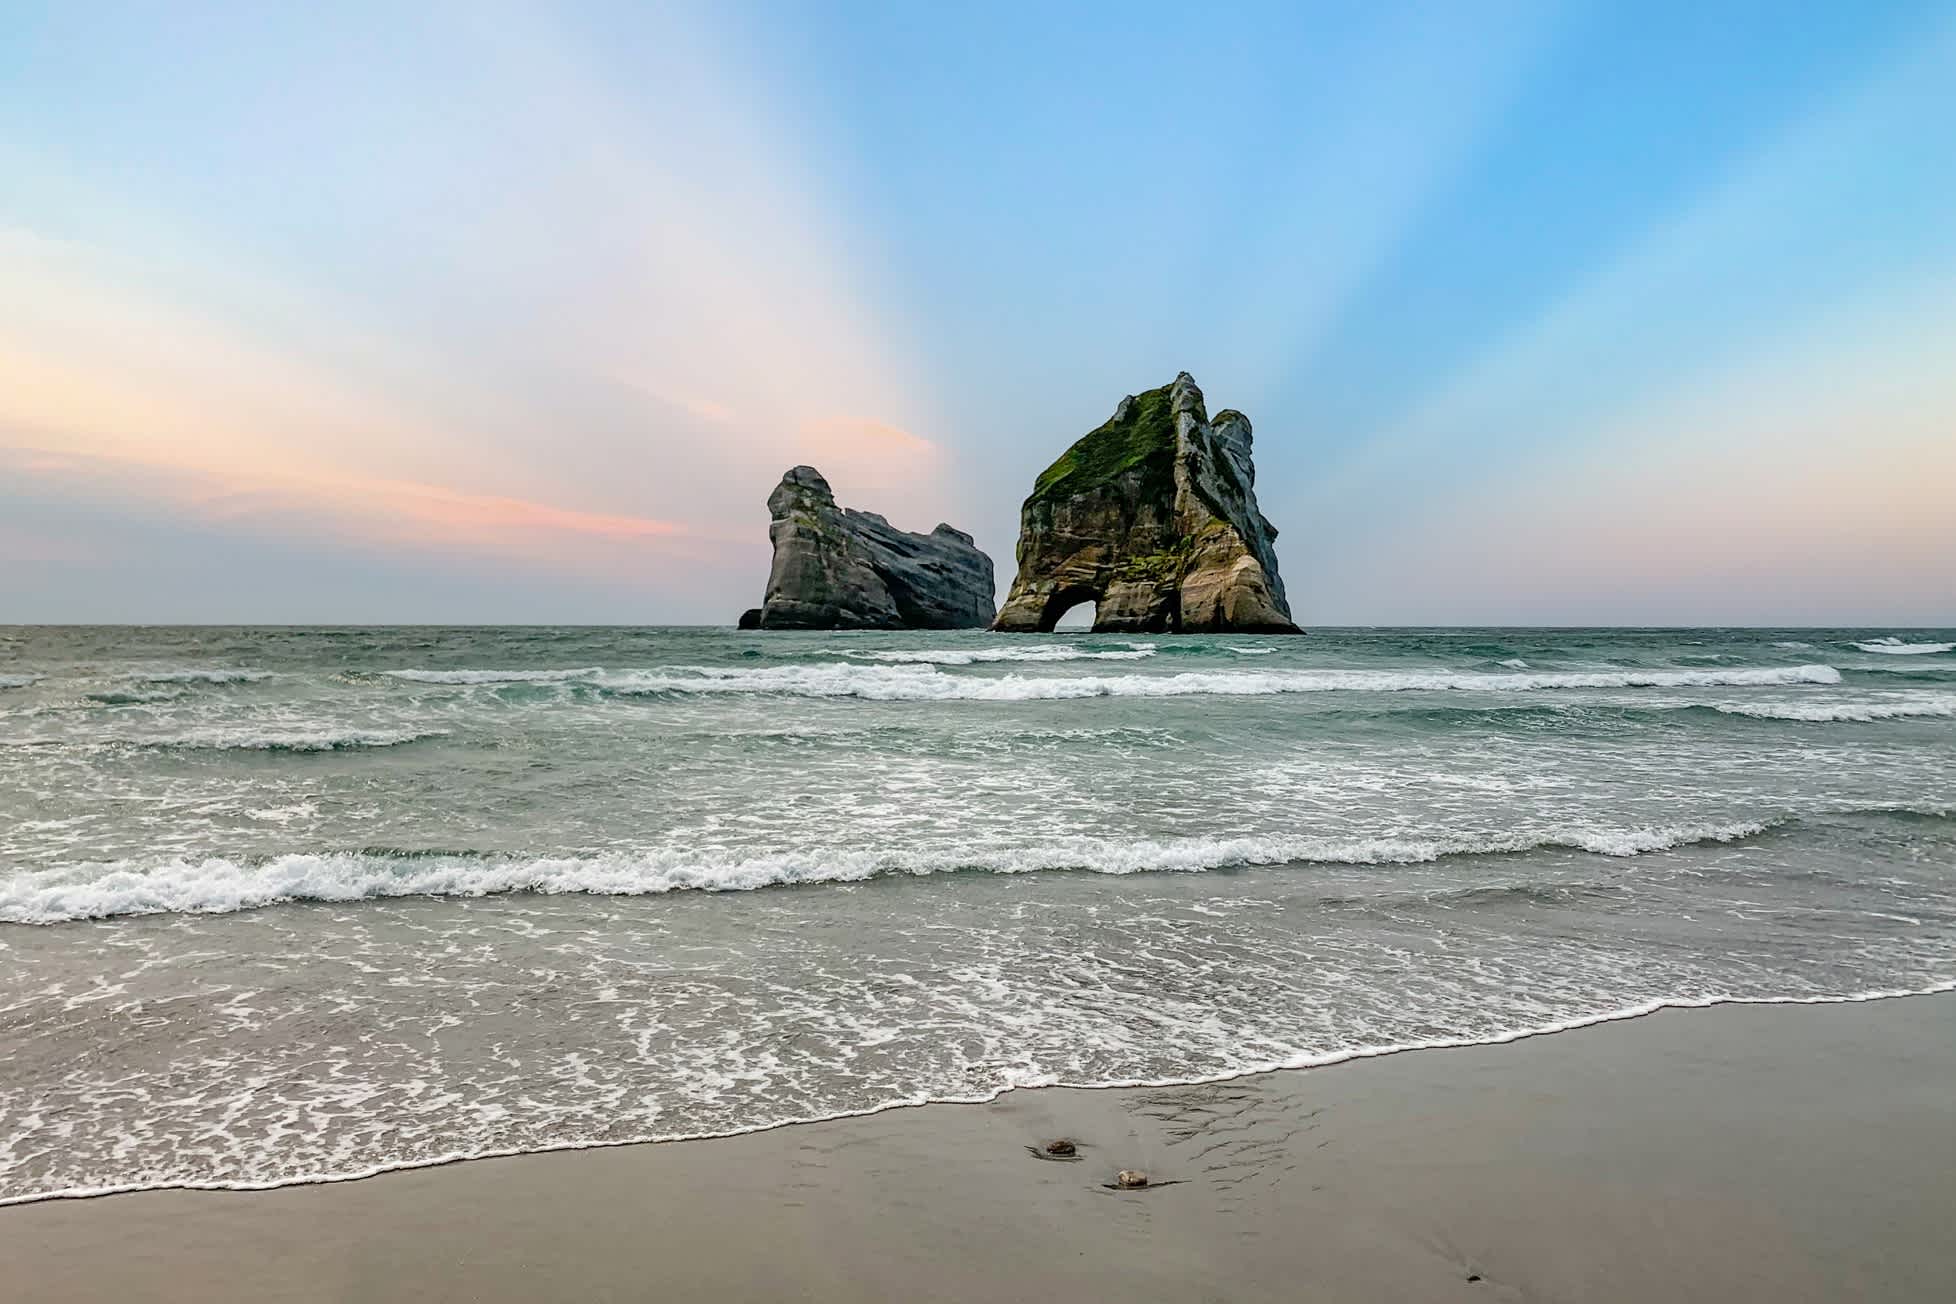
(1059, 1147)
(1129, 1179)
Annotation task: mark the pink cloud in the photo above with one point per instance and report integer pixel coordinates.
(851, 435)
(411, 512)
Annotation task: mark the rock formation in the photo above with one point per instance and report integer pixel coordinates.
(838, 568)
(1153, 518)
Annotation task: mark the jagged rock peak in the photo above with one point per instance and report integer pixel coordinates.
(1153, 517)
(801, 482)
(838, 568)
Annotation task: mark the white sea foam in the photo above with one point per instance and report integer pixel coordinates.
(218, 885)
(1505, 1034)
(284, 814)
(241, 738)
(1515, 663)
(927, 684)
(1794, 647)
(1864, 712)
(18, 681)
(296, 740)
(983, 655)
(1252, 651)
(494, 676)
(1893, 646)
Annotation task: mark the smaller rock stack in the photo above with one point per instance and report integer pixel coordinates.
(838, 568)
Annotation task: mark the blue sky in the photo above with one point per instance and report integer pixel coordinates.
(1543, 313)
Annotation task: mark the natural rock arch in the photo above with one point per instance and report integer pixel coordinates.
(1153, 518)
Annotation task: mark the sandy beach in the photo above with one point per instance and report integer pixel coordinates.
(1742, 1153)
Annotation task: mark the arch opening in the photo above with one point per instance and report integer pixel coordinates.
(1074, 610)
(1078, 618)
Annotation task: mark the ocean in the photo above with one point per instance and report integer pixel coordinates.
(283, 905)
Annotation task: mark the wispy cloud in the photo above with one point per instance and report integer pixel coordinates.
(365, 508)
(723, 283)
(641, 383)
(850, 435)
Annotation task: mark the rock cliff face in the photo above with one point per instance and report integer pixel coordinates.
(837, 568)
(1153, 518)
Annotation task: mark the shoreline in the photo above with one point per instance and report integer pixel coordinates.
(1778, 1151)
(1306, 1064)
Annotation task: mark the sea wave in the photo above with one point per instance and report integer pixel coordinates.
(18, 681)
(242, 739)
(297, 740)
(928, 684)
(200, 676)
(219, 885)
(495, 676)
(134, 697)
(1843, 712)
(984, 655)
(1616, 710)
(1892, 646)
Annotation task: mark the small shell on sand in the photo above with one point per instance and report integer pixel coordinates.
(1129, 1179)
(1060, 1146)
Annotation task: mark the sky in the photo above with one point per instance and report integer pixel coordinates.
(1575, 313)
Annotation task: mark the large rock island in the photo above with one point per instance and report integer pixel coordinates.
(838, 568)
(1153, 518)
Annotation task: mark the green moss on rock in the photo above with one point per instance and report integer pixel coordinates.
(1161, 531)
(1159, 567)
(1144, 438)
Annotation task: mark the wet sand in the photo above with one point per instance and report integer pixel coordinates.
(1745, 1153)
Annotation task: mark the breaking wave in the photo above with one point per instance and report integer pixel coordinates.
(219, 885)
(219, 676)
(242, 740)
(298, 740)
(133, 698)
(495, 676)
(1844, 712)
(925, 684)
(928, 683)
(1895, 647)
(979, 656)
(18, 681)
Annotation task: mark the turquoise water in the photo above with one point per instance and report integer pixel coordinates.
(285, 904)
